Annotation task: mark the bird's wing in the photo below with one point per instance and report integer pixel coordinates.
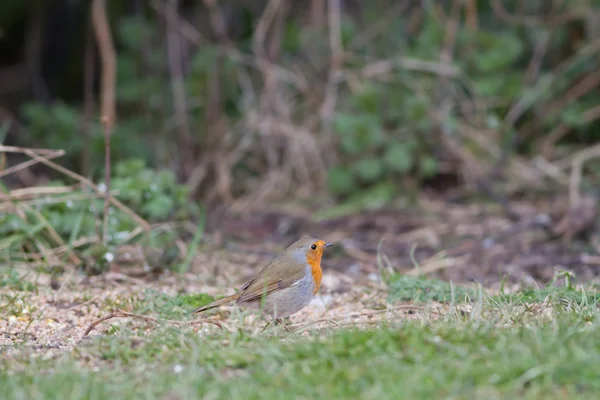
(266, 282)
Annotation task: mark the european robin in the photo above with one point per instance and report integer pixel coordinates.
(285, 285)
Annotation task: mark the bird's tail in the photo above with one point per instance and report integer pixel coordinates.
(220, 302)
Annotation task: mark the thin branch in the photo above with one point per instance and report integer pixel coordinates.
(115, 202)
(108, 59)
(125, 314)
(337, 53)
(106, 180)
(89, 57)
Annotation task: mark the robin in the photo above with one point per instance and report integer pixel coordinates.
(285, 285)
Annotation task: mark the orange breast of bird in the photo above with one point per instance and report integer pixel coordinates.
(314, 260)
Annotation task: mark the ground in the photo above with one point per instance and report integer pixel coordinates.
(382, 326)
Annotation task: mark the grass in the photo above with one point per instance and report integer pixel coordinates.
(11, 279)
(170, 307)
(422, 290)
(494, 349)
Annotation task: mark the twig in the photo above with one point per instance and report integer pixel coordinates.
(108, 59)
(35, 192)
(412, 64)
(89, 58)
(139, 220)
(29, 163)
(22, 150)
(337, 53)
(106, 179)
(125, 314)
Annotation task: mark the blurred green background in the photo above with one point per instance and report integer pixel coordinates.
(363, 104)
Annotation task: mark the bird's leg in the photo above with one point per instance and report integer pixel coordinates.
(281, 321)
(269, 321)
(275, 321)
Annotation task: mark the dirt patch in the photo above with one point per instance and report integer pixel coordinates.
(53, 321)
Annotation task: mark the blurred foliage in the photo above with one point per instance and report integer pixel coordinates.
(154, 195)
(438, 71)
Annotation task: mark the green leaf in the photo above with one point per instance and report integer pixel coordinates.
(376, 196)
(398, 157)
(497, 51)
(369, 169)
(571, 115)
(368, 99)
(159, 207)
(428, 166)
(340, 180)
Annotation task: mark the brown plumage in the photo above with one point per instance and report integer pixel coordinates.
(285, 285)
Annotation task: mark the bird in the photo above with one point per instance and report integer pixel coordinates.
(284, 286)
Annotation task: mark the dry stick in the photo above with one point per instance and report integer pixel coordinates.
(32, 198)
(108, 60)
(15, 149)
(337, 53)
(108, 112)
(125, 314)
(29, 163)
(35, 192)
(106, 179)
(382, 67)
(139, 220)
(89, 58)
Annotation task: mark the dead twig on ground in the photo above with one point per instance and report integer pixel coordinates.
(124, 314)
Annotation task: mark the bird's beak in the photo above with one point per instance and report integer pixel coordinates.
(328, 245)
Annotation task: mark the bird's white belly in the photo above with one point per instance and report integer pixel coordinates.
(291, 299)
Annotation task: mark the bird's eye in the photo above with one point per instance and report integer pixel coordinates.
(313, 246)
